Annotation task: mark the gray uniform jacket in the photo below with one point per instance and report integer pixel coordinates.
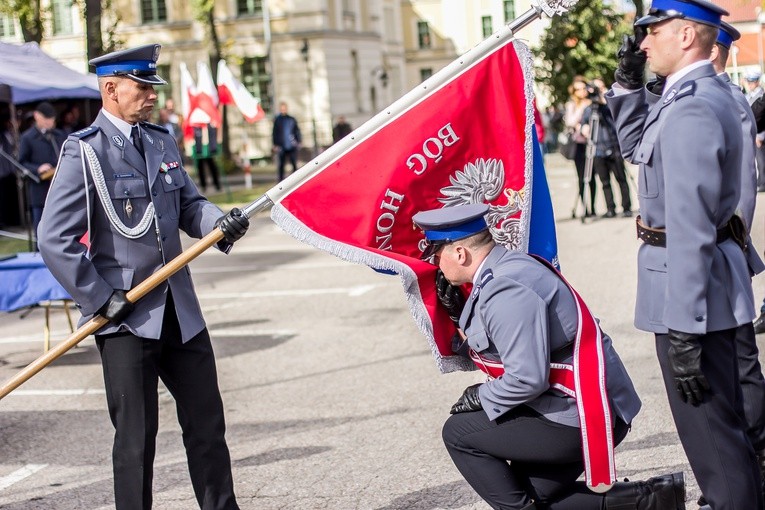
(748, 198)
(115, 261)
(518, 313)
(689, 148)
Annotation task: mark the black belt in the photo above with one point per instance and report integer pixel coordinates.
(733, 229)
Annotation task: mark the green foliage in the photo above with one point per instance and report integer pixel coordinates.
(30, 15)
(581, 42)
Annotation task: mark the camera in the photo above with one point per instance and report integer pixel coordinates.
(594, 93)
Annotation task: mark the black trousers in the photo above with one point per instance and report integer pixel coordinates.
(545, 459)
(713, 434)
(752, 385)
(205, 165)
(604, 168)
(132, 367)
(282, 156)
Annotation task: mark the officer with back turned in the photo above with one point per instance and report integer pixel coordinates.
(122, 181)
(694, 286)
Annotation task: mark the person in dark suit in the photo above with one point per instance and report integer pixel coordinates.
(694, 285)
(523, 414)
(39, 148)
(286, 139)
(341, 129)
(122, 181)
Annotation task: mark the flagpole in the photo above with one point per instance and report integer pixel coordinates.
(425, 89)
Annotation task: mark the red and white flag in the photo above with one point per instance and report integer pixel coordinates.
(464, 136)
(231, 91)
(206, 99)
(188, 94)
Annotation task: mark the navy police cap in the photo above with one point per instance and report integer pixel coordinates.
(139, 64)
(727, 34)
(699, 11)
(449, 224)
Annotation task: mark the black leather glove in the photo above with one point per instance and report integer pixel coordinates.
(450, 297)
(685, 362)
(656, 86)
(469, 401)
(234, 225)
(117, 308)
(631, 71)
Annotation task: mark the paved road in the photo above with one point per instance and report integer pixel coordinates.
(333, 399)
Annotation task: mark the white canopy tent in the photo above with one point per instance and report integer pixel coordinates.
(35, 76)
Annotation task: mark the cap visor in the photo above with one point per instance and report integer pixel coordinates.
(430, 250)
(650, 19)
(151, 79)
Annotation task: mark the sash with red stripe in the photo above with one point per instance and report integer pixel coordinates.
(585, 381)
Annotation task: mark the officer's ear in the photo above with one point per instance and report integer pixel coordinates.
(109, 87)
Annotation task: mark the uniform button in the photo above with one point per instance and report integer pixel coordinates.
(127, 192)
(699, 318)
(154, 193)
(159, 216)
(164, 238)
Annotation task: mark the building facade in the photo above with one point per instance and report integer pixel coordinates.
(324, 58)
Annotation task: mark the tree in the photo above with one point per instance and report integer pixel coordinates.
(204, 12)
(583, 42)
(29, 14)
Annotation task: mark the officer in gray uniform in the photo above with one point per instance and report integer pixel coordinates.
(747, 353)
(522, 315)
(122, 182)
(694, 286)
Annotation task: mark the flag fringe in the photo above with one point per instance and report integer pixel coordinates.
(297, 229)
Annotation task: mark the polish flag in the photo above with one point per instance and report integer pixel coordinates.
(188, 95)
(231, 91)
(207, 96)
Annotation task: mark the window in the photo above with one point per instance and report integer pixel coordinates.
(62, 16)
(7, 26)
(423, 34)
(486, 26)
(249, 7)
(153, 11)
(164, 92)
(425, 73)
(256, 79)
(509, 7)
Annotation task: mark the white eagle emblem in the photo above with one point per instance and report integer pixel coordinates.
(482, 182)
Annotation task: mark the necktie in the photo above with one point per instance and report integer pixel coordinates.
(49, 137)
(135, 137)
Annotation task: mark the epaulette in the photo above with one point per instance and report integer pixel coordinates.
(82, 133)
(155, 126)
(486, 277)
(686, 89)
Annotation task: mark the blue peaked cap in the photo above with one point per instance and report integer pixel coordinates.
(449, 224)
(700, 11)
(727, 34)
(139, 64)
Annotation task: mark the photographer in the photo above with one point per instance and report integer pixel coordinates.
(598, 128)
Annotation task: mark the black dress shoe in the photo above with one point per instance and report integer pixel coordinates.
(759, 324)
(665, 492)
(627, 214)
(609, 214)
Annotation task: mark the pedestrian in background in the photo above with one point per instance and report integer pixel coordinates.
(694, 287)
(341, 129)
(39, 148)
(286, 140)
(122, 181)
(598, 128)
(205, 150)
(572, 119)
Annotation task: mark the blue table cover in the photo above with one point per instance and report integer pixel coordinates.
(25, 281)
